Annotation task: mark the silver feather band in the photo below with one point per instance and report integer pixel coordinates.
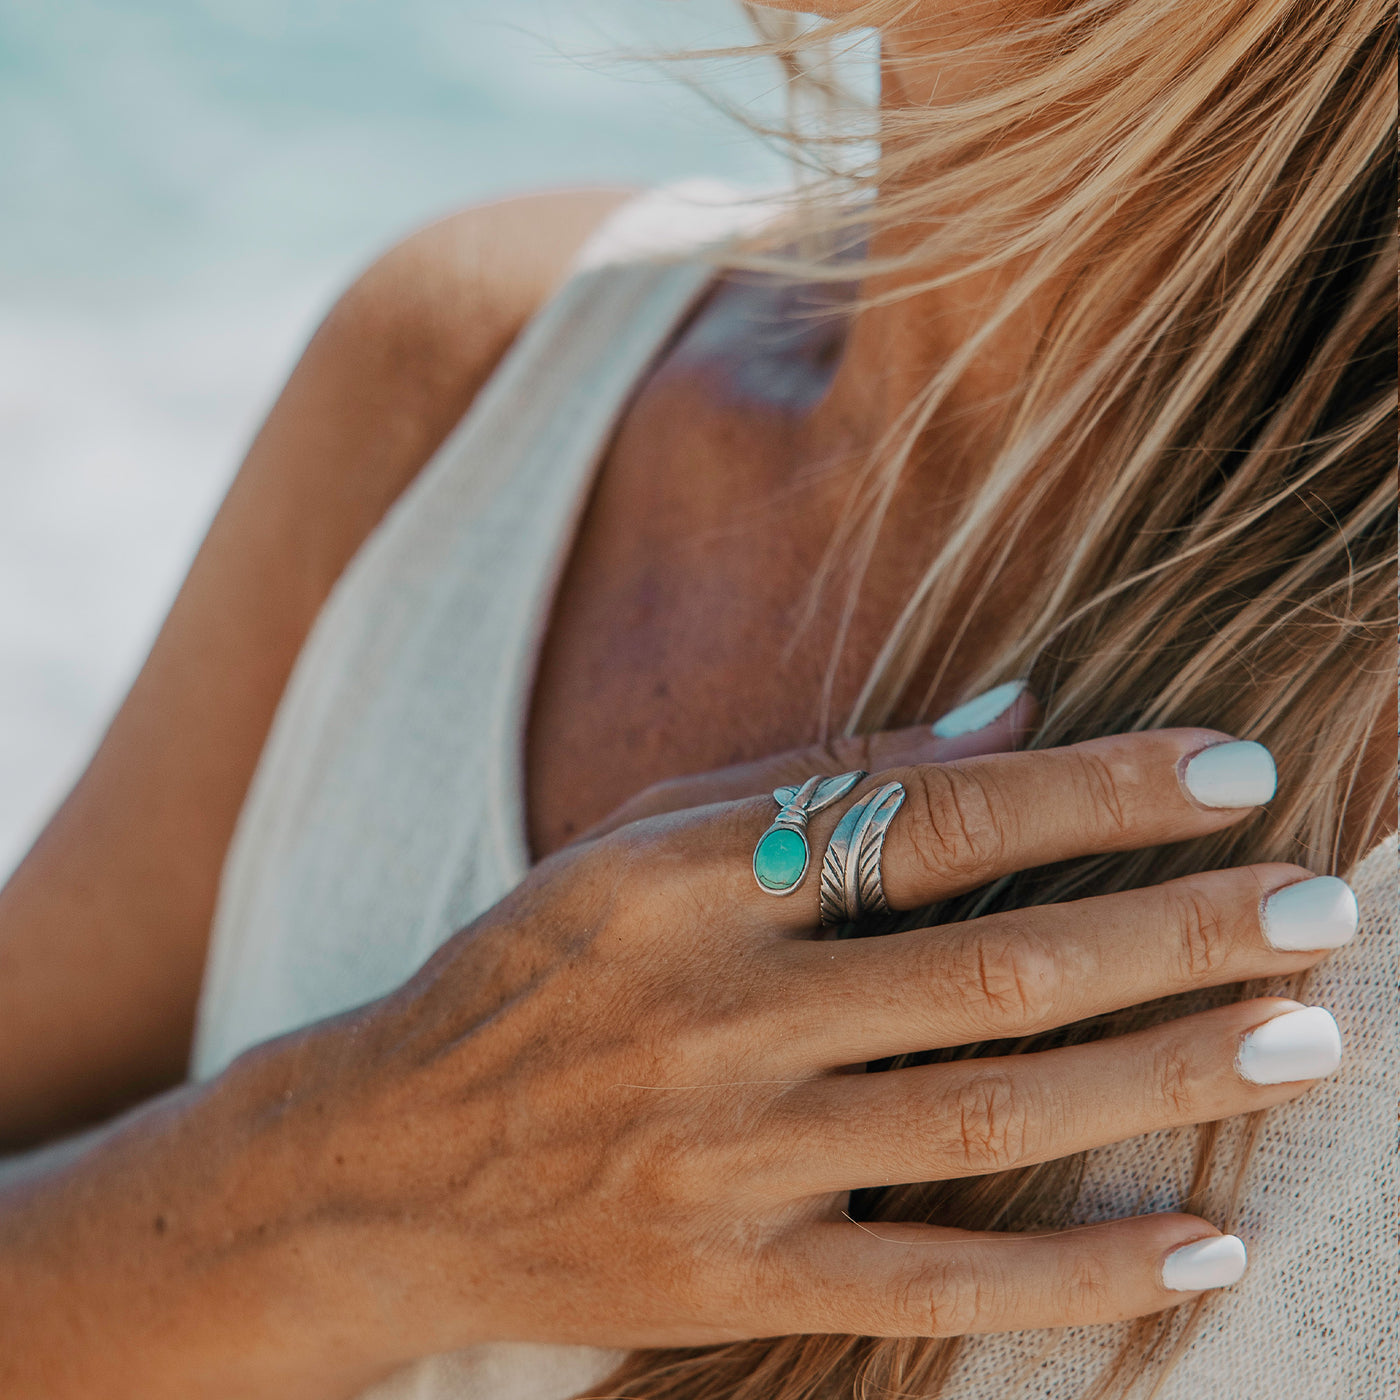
(852, 886)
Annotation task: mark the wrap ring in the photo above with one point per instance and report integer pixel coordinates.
(852, 882)
(781, 857)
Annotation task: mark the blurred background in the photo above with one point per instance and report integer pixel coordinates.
(184, 186)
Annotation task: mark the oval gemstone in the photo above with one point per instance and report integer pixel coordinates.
(780, 860)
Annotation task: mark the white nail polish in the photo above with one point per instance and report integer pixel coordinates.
(1302, 1044)
(1316, 913)
(980, 712)
(1237, 774)
(1214, 1263)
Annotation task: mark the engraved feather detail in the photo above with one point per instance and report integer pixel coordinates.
(886, 803)
(851, 884)
(833, 891)
(826, 791)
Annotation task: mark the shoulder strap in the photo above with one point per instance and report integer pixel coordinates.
(675, 221)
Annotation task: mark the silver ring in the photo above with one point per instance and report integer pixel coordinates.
(852, 884)
(782, 855)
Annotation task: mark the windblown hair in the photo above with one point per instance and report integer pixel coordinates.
(1215, 186)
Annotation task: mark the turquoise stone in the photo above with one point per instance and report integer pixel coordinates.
(780, 859)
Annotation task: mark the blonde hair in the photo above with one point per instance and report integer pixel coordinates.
(1213, 186)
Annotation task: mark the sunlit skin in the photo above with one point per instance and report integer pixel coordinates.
(455, 1164)
(761, 478)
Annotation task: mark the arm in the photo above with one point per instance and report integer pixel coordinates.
(607, 1112)
(103, 927)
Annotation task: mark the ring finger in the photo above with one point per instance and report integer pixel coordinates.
(972, 1117)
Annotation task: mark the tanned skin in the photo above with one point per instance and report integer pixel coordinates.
(482, 1155)
(104, 926)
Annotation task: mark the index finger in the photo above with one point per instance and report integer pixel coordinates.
(991, 723)
(966, 823)
(973, 821)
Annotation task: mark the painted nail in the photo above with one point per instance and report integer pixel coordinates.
(1316, 913)
(1301, 1044)
(1237, 774)
(980, 712)
(1214, 1263)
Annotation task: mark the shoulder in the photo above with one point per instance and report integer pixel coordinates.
(494, 262)
(397, 362)
(434, 314)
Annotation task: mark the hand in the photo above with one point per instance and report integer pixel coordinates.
(609, 1112)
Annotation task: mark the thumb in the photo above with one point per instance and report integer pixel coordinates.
(994, 722)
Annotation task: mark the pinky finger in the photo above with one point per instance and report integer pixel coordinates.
(897, 1280)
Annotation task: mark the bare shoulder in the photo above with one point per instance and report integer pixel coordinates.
(400, 357)
(436, 311)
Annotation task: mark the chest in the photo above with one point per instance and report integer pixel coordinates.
(685, 633)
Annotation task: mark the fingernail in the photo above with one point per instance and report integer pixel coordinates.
(1214, 1263)
(979, 713)
(1316, 913)
(1302, 1044)
(1237, 774)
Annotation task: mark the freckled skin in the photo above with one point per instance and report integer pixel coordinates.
(493, 1151)
(674, 644)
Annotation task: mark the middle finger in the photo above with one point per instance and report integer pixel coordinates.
(1028, 970)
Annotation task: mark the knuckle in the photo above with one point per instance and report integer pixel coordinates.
(1173, 1077)
(736, 1008)
(763, 1278)
(595, 873)
(967, 829)
(1202, 930)
(849, 752)
(990, 1125)
(624, 861)
(1102, 792)
(668, 795)
(1011, 976)
(934, 1300)
(1089, 1290)
(630, 879)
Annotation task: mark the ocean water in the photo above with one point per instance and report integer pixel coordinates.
(184, 185)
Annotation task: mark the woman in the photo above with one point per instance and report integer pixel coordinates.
(486, 1075)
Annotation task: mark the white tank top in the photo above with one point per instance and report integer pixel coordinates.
(388, 811)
